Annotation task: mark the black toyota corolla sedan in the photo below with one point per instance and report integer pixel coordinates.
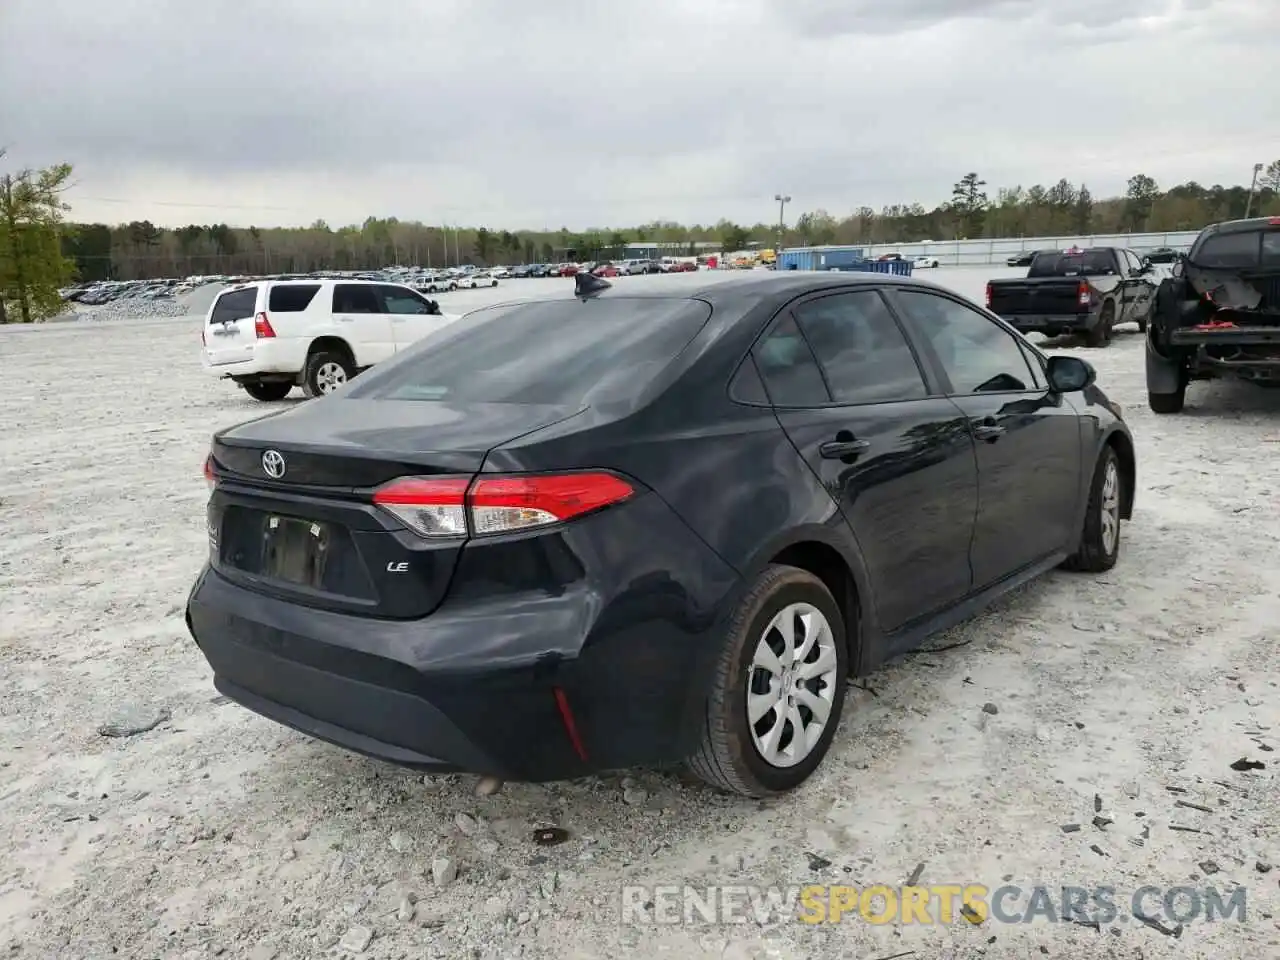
(617, 529)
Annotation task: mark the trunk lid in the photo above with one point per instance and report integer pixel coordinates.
(229, 334)
(292, 515)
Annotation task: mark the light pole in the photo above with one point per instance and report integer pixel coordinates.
(783, 200)
(1257, 169)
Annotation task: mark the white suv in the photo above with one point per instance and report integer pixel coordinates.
(271, 335)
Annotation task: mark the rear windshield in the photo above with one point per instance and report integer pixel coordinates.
(1242, 249)
(234, 305)
(1087, 263)
(552, 351)
(292, 297)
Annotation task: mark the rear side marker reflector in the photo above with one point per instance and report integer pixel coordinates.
(448, 506)
(570, 725)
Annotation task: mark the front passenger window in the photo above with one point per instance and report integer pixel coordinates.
(401, 301)
(791, 375)
(977, 354)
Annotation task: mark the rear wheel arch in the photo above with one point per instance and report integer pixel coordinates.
(830, 566)
(330, 344)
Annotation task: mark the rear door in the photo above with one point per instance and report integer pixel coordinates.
(1139, 287)
(1027, 438)
(895, 454)
(229, 334)
(359, 319)
(410, 314)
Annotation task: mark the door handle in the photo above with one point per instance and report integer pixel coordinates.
(836, 449)
(988, 430)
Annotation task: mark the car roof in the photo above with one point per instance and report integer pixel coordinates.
(774, 283)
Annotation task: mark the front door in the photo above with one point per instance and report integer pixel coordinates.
(1027, 437)
(897, 457)
(358, 317)
(410, 313)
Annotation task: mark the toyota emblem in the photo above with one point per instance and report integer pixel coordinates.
(273, 464)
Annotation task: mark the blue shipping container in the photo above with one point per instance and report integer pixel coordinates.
(819, 258)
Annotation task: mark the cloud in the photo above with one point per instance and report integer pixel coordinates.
(579, 113)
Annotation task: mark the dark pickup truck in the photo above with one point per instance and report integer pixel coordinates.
(1218, 314)
(1077, 291)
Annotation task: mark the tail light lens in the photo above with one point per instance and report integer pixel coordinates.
(209, 476)
(446, 507)
(1083, 294)
(988, 296)
(262, 327)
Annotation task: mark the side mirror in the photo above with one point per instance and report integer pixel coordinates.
(1069, 374)
(1146, 263)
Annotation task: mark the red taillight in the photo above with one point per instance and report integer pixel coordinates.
(1083, 294)
(262, 327)
(988, 296)
(209, 475)
(443, 507)
(1274, 221)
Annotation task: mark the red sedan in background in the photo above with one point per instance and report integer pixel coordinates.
(605, 270)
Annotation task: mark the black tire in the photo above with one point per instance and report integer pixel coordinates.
(269, 390)
(314, 373)
(1095, 554)
(1100, 335)
(1168, 402)
(727, 757)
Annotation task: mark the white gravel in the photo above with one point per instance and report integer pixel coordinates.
(217, 833)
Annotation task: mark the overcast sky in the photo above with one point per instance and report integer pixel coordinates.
(583, 113)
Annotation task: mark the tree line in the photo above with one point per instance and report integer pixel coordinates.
(40, 252)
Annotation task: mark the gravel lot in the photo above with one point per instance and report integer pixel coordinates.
(1124, 696)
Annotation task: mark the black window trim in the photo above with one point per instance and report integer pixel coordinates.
(935, 362)
(932, 384)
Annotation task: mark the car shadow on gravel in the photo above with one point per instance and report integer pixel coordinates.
(1229, 397)
(1072, 341)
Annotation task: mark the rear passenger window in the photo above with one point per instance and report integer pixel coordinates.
(861, 349)
(791, 375)
(747, 387)
(235, 305)
(292, 297)
(355, 298)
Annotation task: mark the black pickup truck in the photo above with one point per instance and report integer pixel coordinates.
(1077, 291)
(1218, 314)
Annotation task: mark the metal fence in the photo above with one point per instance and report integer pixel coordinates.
(960, 253)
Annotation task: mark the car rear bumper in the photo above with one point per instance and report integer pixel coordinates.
(1042, 323)
(601, 673)
(270, 356)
